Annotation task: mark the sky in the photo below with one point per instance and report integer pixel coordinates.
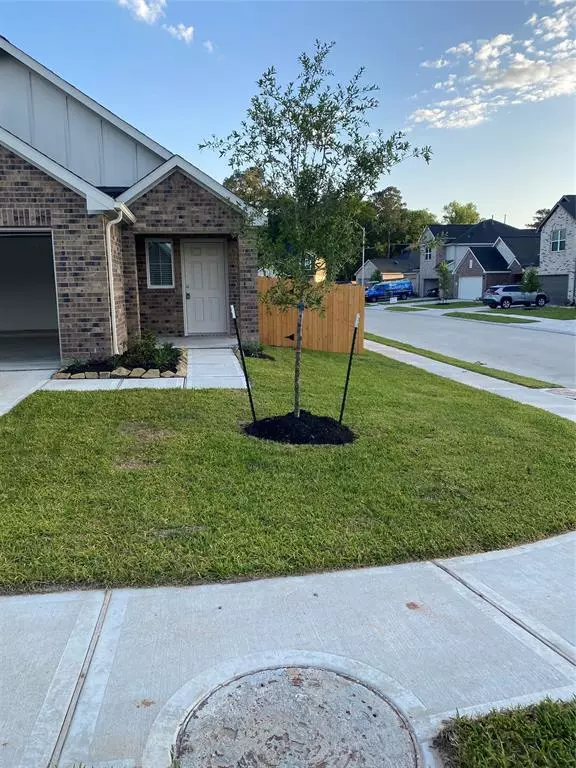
(488, 85)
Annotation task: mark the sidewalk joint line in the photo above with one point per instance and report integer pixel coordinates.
(71, 710)
(506, 613)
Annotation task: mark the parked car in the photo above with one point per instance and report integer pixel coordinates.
(507, 295)
(402, 289)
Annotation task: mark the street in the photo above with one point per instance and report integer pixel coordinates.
(527, 349)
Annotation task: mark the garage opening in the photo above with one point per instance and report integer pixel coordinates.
(28, 307)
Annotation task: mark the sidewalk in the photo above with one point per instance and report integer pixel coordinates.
(104, 678)
(539, 398)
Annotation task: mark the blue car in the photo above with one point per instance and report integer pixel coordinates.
(402, 289)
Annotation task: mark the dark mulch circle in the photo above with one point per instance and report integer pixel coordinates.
(307, 430)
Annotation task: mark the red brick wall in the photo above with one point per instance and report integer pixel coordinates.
(161, 309)
(29, 198)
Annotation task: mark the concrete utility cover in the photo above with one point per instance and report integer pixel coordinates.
(295, 718)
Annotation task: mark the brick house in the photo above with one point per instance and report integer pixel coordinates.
(105, 233)
(558, 251)
(479, 255)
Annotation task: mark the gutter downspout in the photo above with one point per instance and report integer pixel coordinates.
(108, 242)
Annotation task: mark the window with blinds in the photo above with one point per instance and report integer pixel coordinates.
(159, 264)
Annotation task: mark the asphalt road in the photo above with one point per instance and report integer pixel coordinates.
(527, 349)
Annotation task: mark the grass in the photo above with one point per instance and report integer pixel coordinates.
(488, 318)
(396, 308)
(551, 313)
(147, 487)
(538, 736)
(455, 304)
(515, 378)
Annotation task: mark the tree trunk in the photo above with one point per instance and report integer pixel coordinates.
(298, 360)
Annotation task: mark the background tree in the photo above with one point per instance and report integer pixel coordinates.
(415, 222)
(460, 213)
(311, 141)
(539, 217)
(248, 185)
(390, 209)
(530, 280)
(444, 280)
(376, 276)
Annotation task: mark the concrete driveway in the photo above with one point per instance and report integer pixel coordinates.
(16, 385)
(105, 678)
(545, 351)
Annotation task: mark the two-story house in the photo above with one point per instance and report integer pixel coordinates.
(103, 231)
(478, 255)
(558, 251)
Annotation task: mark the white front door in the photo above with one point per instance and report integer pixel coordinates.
(204, 273)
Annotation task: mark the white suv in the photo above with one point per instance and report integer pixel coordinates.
(506, 295)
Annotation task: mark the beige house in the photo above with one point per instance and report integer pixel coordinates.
(558, 251)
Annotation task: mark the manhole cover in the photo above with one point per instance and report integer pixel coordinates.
(295, 717)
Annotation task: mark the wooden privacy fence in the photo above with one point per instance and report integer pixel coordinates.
(330, 331)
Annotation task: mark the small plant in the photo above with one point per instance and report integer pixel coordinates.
(376, 276)
(530, 281)
(253, 349)
(92, 364)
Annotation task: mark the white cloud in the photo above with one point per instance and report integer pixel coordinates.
(436, 64)
(180, 32)
(559, 24)
(460, 49)
(209, 45)
(505, 72)
(148, 11)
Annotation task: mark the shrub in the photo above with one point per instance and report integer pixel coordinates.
(145, 353)
(255, 349)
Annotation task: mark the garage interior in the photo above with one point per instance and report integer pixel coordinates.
(29, 336)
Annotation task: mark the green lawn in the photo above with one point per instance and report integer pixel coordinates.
(537, 736)
(488, 318)
(157, 487)
(551, 313)
(515, 378)
(396, 308)
(455, 305)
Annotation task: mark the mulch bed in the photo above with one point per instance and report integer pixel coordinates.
(307, 430)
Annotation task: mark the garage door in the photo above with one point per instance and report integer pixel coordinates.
(556, 286)
(469, 287)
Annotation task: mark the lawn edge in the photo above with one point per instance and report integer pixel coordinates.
(485, 318)
(496, 373)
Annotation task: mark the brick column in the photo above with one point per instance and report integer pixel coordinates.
(131, 292)
(247, 269)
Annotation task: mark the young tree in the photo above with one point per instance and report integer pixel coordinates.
(444, 280)
(530, 280)
(460, 213)
(376, 276)
(311, 141)
(539, 217)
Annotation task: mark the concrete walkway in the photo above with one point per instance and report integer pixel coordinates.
(16, 385)
(105, 678)
(547, 400)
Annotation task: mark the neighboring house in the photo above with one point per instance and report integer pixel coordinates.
(104, 232)
(558, 251)
(479, 255)
(404, 264)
